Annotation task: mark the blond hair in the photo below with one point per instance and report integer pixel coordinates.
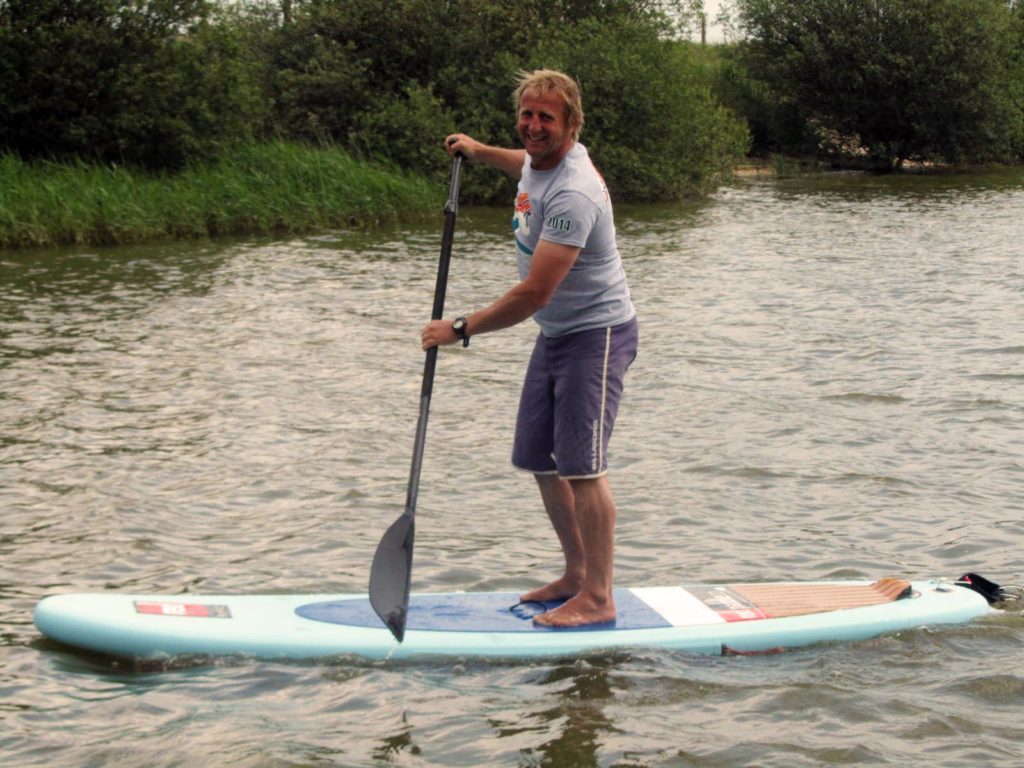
(541, 82)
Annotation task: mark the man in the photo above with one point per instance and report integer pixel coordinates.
(573, 284)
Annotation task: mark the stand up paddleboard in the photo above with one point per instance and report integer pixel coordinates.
(703, 618)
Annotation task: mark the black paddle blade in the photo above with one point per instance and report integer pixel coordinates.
(390, 574)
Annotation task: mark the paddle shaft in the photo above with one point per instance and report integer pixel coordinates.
(391, 571)
(451, 208)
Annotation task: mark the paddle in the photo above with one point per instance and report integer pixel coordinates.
(391, 571)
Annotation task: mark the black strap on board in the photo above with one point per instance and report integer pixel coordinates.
(987, 589)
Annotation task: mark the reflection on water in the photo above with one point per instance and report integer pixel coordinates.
(830, 384)
(580, 707)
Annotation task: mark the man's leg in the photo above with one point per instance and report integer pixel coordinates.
(560, 504)
(595, 516)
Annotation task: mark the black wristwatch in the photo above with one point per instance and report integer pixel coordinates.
(459, 326)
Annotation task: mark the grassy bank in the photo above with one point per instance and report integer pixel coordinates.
(256, 189)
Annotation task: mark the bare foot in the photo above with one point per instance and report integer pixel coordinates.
(578, 611)
(559, 589)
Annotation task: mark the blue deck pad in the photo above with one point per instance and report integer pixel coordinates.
(479, 612)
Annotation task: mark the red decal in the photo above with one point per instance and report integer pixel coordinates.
(746, 614)
(183, 609)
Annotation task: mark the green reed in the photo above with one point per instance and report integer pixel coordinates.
(258, 189)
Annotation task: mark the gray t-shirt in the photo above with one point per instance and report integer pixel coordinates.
(570, 205)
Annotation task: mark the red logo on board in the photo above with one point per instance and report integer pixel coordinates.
(729, 605)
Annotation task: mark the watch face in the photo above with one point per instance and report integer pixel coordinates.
(459, 326)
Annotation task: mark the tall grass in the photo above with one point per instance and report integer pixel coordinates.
(254, 189)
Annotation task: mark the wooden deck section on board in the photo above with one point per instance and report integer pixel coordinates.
(780, 600)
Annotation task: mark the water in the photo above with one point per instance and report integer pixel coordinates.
(830, 385)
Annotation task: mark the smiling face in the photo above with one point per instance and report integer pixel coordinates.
(544, 129)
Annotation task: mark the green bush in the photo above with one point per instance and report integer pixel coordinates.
(163, 84)
(154, 83)
(389, 81)
(652, 125)
(406, 129)
(776, 123)
(933, 80)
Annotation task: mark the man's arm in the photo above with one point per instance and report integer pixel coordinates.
(508, 160)
(551, 263)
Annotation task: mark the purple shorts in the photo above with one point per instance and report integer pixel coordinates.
(570, 399)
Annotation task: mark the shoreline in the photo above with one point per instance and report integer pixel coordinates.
(259, 190)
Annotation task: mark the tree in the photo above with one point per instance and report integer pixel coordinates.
(652, 125)
(143, 82)
(898, 79)
(389, 80)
